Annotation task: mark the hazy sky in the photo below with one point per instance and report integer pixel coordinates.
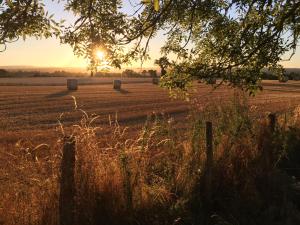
(50, 53)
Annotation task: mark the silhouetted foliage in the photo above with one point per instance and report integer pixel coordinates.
(294, 75)
(163, 63)
(130, 73)
(152, 73)
(3, 72)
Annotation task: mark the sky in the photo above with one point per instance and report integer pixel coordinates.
(50, 53)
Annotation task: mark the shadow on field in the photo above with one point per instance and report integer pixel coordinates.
(295, 85)
(282, 90)
(123, 91)
(59, 94)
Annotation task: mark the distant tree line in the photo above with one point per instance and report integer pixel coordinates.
(144, 73)
(286, 76)
(125, 73)
(267, 75)
(21, 73)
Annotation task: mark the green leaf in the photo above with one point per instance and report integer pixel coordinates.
(156, 5)
(147, 2)
(9, 3)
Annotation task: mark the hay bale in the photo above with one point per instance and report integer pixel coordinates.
(72, 84)
(155, 80)
(117, 84)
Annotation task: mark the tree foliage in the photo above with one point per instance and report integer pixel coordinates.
(233, 40)
(99, 26)
(163, 63)
(25, 18)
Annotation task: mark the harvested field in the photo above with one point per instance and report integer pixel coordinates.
(33, 111)
(30, 113)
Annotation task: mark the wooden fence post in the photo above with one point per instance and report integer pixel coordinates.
(209, 160)
(269, 148)
(67, 183)
(272, 121)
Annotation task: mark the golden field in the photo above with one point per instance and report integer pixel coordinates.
(33, 111)
(32, 115)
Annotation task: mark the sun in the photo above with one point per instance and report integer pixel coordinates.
(100, 54)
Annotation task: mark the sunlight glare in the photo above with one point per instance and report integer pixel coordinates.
(100, 54)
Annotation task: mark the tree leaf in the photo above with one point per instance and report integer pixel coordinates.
(147, 2)
(156, 5)
(9, 3)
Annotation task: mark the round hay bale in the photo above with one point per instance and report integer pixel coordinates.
(72, 84)
(155, 80)
(117, 84)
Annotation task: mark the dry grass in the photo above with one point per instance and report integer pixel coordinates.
(153, 174)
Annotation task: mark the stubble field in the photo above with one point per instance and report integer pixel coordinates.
(30, 111)
(33, 111)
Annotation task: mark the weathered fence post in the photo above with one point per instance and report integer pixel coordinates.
(269, 157)
(209, 160)
(67, 183)
(272, 121)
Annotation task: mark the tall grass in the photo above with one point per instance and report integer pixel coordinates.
(157, 177)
